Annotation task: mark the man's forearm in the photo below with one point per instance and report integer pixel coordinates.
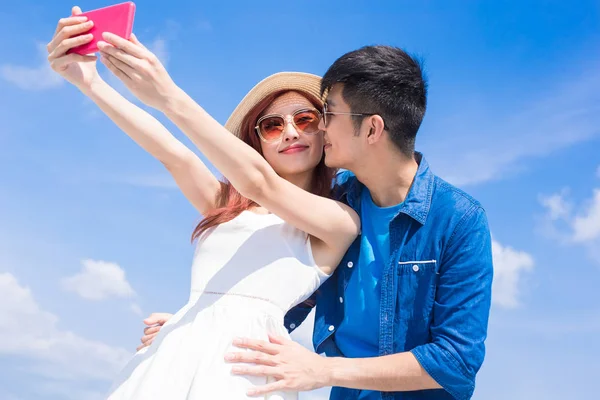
(393, 373)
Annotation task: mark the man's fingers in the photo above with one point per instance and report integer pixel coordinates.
(147, 339)
(76, 10)
(251, 357)
(265, 389)
(141, 346)
(257, 370)
(152, 329)
(279, 340)
(152, 319)
(258, 345)
(157, 318)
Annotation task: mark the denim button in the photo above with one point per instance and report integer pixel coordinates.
(350, 264)
(331, 328)
(415, 268)
(341, 299)
(292, 326)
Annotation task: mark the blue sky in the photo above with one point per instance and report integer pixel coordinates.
(94, 234)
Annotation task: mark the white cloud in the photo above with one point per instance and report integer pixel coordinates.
(99, 280)
(487, 144)
(569, 227)
(136, 309)
(34, 334)
(39, 77)
(556, 222)
(68, 392)
(509, 266)
(557, 205)
(586, 226)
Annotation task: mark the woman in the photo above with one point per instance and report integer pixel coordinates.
(269, 238)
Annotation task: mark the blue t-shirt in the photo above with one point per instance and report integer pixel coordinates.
(358, 334)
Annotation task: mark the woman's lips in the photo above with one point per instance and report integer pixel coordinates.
(295, 149)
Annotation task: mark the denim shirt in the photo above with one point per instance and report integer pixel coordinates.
(435, 291)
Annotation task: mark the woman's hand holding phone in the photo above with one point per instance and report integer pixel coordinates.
(80, 70)
(139, 69)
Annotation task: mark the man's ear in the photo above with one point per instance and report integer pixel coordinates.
(375, 126)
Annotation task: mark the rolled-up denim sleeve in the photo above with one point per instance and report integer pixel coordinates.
(461, 308)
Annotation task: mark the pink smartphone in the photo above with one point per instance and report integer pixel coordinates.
(117, 19)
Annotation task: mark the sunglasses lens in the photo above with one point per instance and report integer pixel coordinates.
(271, 127)
(307, 121)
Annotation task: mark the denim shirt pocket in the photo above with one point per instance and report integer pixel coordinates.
(416, 288)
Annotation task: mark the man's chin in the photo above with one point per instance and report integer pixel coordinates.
(336, 166)
(330, 161)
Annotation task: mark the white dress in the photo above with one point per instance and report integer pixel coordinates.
(246, 274)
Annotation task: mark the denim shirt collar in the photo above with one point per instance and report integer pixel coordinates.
(418, 200)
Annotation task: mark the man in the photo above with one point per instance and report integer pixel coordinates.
(405, 314)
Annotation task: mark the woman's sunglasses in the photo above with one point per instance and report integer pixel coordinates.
(271, 127)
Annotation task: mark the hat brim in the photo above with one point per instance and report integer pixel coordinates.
(281, 81)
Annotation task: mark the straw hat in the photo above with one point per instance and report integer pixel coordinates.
(299, 81)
